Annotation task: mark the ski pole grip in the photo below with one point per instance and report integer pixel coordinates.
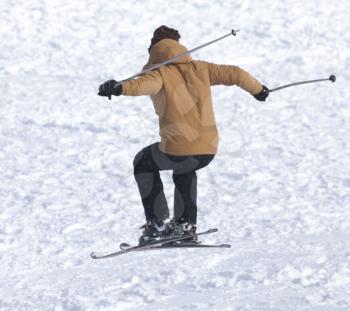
(332, 78)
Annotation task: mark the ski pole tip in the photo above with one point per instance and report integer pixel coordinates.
(332, 78)
(234, 32)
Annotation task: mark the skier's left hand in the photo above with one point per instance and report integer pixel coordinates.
(263, 94)
(109, 88)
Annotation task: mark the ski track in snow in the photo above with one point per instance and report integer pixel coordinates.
(278, 190)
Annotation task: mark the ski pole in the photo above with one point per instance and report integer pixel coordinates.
(232, 33)
(331, 78)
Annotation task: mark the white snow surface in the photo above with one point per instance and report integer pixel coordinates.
(278, 189)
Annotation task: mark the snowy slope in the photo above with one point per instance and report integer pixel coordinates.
(278, 190)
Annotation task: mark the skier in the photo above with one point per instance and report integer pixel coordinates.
(181, 95)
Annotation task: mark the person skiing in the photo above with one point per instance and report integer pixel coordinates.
(181, 95)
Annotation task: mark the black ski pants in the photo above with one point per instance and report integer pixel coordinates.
(147, 164)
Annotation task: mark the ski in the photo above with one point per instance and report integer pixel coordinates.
(148, 245)
(124, 246)
(187, 245)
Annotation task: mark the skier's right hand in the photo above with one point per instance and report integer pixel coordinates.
(263, 94)
(110, 88)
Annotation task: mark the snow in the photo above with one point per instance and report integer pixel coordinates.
(278, 189)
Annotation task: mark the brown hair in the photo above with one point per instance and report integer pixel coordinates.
(164, 32)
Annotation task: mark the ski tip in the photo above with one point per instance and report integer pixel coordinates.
(93, 255)
(212, 230)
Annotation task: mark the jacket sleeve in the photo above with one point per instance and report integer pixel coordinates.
(147, 84)
(233, 75)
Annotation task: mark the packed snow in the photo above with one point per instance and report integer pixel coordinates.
(278, 189)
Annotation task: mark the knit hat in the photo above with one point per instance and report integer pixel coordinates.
(164, 32)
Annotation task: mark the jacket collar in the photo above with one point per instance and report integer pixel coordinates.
(166, 49)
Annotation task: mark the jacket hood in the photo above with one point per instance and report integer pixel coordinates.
(166, 49)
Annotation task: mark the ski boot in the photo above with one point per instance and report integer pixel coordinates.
(152, 230)
(189, 229)
(175, 228)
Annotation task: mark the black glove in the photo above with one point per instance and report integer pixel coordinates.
(109, 88)
(263, 94)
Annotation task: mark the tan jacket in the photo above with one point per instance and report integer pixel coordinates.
(181, 95)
